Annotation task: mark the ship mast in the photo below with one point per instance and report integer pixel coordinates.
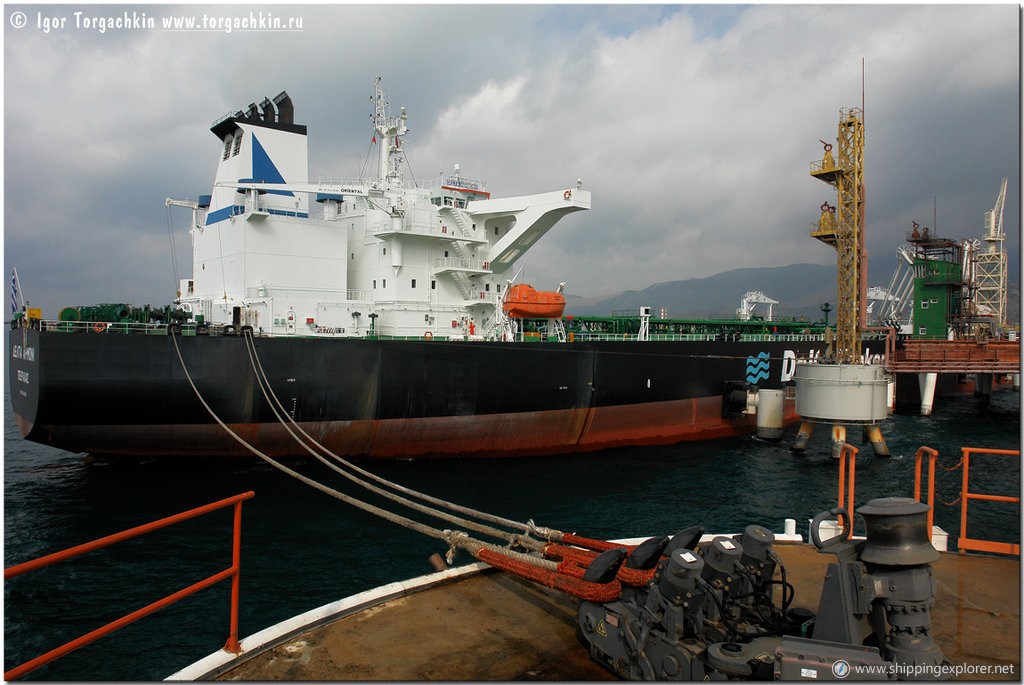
(390, 130)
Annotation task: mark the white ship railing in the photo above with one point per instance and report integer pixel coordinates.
(461, 264)
(189, 328)
(423, 184)
(483, 296)
(697, 337)
(418, 228)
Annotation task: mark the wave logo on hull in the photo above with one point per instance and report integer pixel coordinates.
(757, 367)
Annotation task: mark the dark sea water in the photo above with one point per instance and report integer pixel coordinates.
(302, 549)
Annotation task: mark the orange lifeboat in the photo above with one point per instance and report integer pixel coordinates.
(525, 302)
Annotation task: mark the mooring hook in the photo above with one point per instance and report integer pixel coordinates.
(843, 515)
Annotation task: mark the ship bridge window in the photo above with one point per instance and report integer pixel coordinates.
(227, 147)
(435, 201)
(238, 143)
(449, 202)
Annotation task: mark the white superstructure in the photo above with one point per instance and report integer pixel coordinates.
(335, 257)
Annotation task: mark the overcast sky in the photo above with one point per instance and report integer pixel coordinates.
(692, 125)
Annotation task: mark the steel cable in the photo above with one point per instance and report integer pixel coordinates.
(480, 528)
(528, 527)
(453, 538)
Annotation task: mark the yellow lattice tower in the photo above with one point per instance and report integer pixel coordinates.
(846, 175)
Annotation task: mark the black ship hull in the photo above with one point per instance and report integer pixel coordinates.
(111, 393)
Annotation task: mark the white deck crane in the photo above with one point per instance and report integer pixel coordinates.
(746, 309)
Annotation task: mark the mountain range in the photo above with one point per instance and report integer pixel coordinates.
(800, 289)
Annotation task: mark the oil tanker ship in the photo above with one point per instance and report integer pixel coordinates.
(386, 316)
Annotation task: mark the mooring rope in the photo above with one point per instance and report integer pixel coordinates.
(472, 525)
(528, 527)
(455, 539)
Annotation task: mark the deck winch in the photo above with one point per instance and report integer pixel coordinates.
(709, 609)
(683, 608)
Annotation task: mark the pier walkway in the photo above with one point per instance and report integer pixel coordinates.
(957, 356)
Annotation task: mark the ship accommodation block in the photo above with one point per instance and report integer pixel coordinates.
(365, 256)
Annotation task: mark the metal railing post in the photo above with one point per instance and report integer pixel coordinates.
(847, 448)
(963, 499)
(236, 572)
(932, 454)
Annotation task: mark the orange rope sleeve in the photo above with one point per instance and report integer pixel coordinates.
(577, 587)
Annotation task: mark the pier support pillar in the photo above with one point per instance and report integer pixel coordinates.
(802, 436)
(890, 396)
(873, 434)
(926, 381)
(838, 439)
(1016, 382)
(983, 386)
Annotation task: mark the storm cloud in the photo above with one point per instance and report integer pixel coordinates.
(693, 126)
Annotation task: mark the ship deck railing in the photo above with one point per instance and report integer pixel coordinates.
(123, 327)
(700, 337)
(423, 184)
(189, 329)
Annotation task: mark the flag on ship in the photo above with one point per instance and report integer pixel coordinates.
(15, 292)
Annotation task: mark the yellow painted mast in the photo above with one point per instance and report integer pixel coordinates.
(844, 229)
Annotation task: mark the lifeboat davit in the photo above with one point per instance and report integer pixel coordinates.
(525, 302)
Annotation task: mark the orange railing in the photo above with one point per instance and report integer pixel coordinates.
(964, 542)
(231, 572)
(982, 545)
(932, 456)
(843, 451)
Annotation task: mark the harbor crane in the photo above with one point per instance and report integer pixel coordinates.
(990, 265)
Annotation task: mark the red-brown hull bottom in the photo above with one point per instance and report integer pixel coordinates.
(493, 435)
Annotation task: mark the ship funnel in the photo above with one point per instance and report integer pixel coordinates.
(251, 113)
(269, 115)
(285, 109)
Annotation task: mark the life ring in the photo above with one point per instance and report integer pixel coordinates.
(567, 195)
(100, 327)
(428, 336)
